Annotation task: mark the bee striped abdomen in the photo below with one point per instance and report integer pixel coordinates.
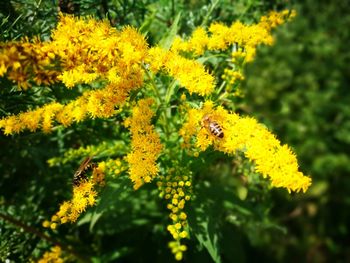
(215, 129)
(79, 178)
(80, 174)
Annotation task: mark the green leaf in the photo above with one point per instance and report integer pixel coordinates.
(203, 227)
(108, 198)
(145, 27)
(168, 38)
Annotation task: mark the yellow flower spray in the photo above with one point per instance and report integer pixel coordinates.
(88, 51)
(145, 144)
(54, 255)
(272, 160)
(176, 189)
(115, 62)
(84, 195)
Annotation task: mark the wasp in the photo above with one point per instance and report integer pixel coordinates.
(80, 174)
(212, 126)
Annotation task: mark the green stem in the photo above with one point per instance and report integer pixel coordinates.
(211, 9)
(170, 92)
(153, 85)
(160, 105)
(223, 96)
(221, 87)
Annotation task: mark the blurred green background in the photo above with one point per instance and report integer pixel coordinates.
(299, 88)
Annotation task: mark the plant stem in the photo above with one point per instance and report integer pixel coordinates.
(153, 85)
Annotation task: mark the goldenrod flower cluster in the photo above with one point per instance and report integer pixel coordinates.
(272, 160)
(88, 50)
(145, 144)
(274, 19)
(220, 36)
(176, 188)
(232, 76)
(85, 51)
(244, 39)
(25, 62)
(191, 74)
(52, 256)
(91, 49)
(84, 195)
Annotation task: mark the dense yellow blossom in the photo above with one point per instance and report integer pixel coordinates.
(145, 144)
(84, 195)
(190, 73)
(52, 256)
(242, 39)
(272, 160)
(91, 49)
(27, 62)
(94, 104)
(274, 19)
(221, 37)
(87, 50)
(81, 51)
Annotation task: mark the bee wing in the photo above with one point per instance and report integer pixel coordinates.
(82, 166)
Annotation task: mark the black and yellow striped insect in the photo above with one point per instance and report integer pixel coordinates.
(80, 174)
(212, 126)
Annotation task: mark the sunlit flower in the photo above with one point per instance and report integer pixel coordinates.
(221, 37)
(87, 50)
(84, 195)
(145, 144)
(191, 74)
(272, 160)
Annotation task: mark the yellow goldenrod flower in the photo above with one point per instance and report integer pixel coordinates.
(96, 104)
(84, 195)
(91, 49)
(145, 144)
(247, 37)
(177, 249)
(244, 40)
(198, 41)
(46, 223)
(55, 255)
(26, 62)
(173, 183)
(190, 73)
(88, 50)
(275, 19)
(272, 160)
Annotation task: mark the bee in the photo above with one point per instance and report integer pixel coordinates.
(80, 174)
(212, 126)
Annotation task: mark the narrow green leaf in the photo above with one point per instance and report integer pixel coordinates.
(206, 234)
(168, 38)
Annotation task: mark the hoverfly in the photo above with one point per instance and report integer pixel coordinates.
(212, 126)
(80, 174)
